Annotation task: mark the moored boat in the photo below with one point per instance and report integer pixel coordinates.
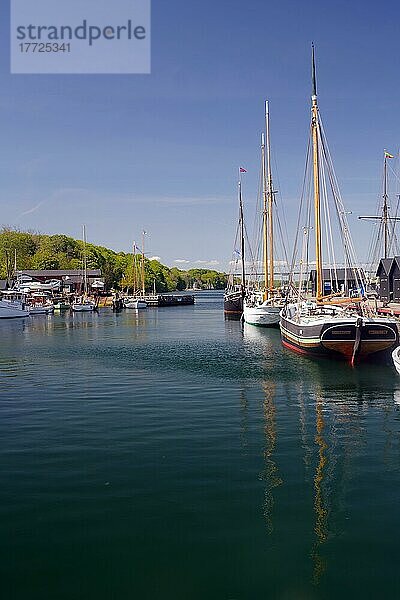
(335, 324)
(135, 303)
(137, 300)
(83, 303)
(396, 358)
(12, 305)
(262, 312)
(234, 292)
(331, 330)
(40, 303)
(262, 307)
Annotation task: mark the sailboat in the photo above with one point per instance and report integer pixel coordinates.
(333, 324)
(83, 303)
(387, 221)
(134, 301)
(234, 293)
(262, 307)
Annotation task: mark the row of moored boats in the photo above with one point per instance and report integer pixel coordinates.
(318, 315)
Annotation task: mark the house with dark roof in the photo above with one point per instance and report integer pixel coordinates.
(385, 275)
(336, 280)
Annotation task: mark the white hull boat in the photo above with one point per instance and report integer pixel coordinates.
(396, 358)
(262, 315)
(83, 306)
(40, 304)
(41, 310)
(12, 309)
(135, 304)
(82, 303)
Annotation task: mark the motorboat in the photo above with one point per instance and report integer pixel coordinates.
(40, 303)
(135, 303)
(12, 305)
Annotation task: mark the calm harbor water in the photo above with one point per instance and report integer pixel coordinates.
(169, 454)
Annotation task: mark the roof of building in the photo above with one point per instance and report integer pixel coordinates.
(328, 274)
(385, 265)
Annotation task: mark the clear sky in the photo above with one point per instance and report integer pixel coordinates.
(160, 152)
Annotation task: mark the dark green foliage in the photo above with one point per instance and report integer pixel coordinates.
(37, 251)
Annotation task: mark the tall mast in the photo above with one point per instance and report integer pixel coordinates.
(84, 261)
(265, 215)
(317, 207)
(385, 208)
(270, 194)
(384, 218)
(143, 286)
(241, 221)
(134, 268)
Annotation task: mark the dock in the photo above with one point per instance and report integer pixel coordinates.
(155, 300)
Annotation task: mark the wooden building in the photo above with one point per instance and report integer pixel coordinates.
(385, 275)
(396, 279)
(335, 280)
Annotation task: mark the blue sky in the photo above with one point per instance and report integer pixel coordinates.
(160, 152)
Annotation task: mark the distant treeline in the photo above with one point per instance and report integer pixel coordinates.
(37, 251)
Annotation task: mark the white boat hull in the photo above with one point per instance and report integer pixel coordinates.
(12, 310)
(396, 358)
(89, 307)
(40, 310)
(262, 315)
(136, 304)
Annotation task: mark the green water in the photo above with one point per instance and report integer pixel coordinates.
(171, 454)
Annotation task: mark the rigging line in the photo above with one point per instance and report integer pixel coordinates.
(284, 254)
(372, 243)
(392, 225)
(341, 213)
(376, 248)
(295, 247)
(308, 226)
(257, 228)
(325, 209)
(285, 227)
(332, 256)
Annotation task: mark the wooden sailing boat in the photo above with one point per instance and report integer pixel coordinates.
(83, 303)
(333, 325)
(136, 301)
(263, 308)
(234, 293)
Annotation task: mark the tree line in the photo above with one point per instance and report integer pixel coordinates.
(120, 270)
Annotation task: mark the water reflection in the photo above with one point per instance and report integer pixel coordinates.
(340, 413)
(244, 417)
(271, 473)
(321, 494)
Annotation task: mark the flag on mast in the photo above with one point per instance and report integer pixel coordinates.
(387, 155)
(241, 170)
